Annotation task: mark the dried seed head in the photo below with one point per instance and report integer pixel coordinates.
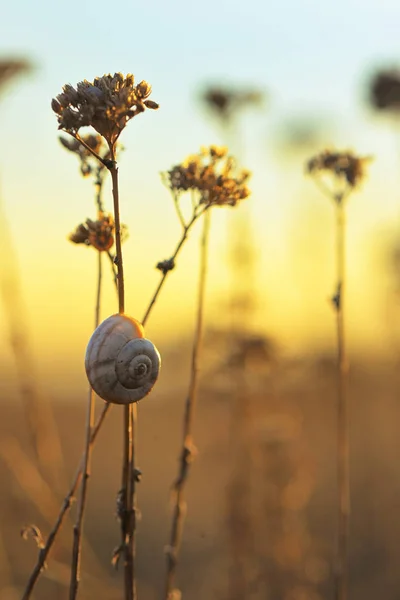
(99, 234)
(213, 175)
(106, 104)
(343, 166)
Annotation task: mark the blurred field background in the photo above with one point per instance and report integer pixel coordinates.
(261, 497)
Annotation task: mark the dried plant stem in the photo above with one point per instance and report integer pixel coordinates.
(103, 161)
(185, 232)
(77, 532)
(128, 517)
(342, 413)
(188, 449)
(99, 188)
(66, 505)
(118, 246)
(113, 269)
(128, 493)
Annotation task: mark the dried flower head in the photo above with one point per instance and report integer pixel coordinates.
(106, 104)
(89, 165)
(99, 234)
(385, 90)
(212, 174)
(224, 101)
(345, 167)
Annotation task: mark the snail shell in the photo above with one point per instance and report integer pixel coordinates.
(121, 365)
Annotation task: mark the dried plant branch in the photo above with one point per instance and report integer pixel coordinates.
(166, 266)
(113, 269)
(118, 246)
(104, 161)
(343, 466)
(107, 104)
(78, 527)
(106, 408)
(128, 524)
(216, 190)
(346, 171)
(188, 449)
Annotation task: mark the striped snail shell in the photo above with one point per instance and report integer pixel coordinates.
(121, 365)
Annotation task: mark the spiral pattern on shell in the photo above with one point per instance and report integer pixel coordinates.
(121, 365)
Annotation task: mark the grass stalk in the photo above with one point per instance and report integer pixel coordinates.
(343, 471)
(78, 527)
(185, 231)
(188, 449)
(128, 492)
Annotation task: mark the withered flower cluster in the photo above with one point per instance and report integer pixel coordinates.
(212, 175)
(106, 104)
(99, 234)
(343, 165)
(385, 90)
(224, 101)
(88, 163)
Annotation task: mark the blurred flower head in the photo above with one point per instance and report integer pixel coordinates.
(225, 101)
(212, 175)
(10, 67)
(385, 90)
(99, 234)
(106, 104)
(344, 167)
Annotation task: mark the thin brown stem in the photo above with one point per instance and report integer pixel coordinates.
(129, 517)
(186, 229)
(343, 472)
(128, 529)
(113, 268)
(66, 505)
(88, 148)
(78, 528)
(99, 188)
(187, 452)
(178, 210)
(118, 246)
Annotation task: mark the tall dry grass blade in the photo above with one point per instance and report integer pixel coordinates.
(188, 448)
(78, 527)
(29, 477)
(37, 410)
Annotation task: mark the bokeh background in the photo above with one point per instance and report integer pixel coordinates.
(314, 64)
